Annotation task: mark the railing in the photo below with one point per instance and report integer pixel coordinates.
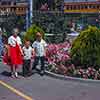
(47, 12)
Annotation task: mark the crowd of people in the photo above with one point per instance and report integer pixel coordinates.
(17, 54)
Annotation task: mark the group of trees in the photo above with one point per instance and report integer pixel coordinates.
(8, 22)
(52, 23)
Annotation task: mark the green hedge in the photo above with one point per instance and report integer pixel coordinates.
(85, 49)
(31, 32)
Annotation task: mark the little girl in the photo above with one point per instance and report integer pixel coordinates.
(15, 52)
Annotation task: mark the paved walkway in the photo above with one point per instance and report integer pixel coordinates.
(45, 88)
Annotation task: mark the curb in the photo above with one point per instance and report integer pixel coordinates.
(62, 77)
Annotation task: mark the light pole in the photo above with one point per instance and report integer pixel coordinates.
(27, 19)
(29, 14)
(31, 10)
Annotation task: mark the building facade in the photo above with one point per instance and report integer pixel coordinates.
(86, 12)
(13, 6)
(82, 6)
(14, 13)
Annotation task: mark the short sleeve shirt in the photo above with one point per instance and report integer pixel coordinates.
(12, 41)
(39, 47)
(27, 53)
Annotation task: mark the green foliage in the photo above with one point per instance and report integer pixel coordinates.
(31, 32)
(8, 22)
(52, 4)
(51, 22)
(85, 49)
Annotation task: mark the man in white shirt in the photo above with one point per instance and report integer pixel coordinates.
(39, 47)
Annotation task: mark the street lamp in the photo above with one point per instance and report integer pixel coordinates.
(29, 14)
(31, 10)
(27, 19)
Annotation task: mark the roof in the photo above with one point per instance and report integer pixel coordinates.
(79, 0)
(82, 2)
(14, 0)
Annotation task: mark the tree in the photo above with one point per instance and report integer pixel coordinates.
(8, 22)
(85, 49)
(31, 32)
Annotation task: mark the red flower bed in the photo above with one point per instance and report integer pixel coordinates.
(59, 61)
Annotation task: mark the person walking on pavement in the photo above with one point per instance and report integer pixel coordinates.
(40, 49)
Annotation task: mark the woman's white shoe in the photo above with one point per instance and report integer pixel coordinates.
(16, 74)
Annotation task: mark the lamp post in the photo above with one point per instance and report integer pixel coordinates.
(27, 19)
(31, 10)
(29, 14)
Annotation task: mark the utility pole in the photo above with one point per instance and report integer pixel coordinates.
(27, 19)
(31, 10)
(29, 14)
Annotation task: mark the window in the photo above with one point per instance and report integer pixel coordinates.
(3, 3)
(86, 6)
(9, 3)
(98, 6)
(89, 6)
(78, 7)
(14, 3)
(82, 6)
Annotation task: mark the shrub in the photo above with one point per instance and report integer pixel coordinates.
(31, 32)
(85, 49)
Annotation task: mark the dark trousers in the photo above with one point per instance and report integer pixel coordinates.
(26, 66)
(36, 61)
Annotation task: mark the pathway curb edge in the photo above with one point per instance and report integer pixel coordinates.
(62, 77)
